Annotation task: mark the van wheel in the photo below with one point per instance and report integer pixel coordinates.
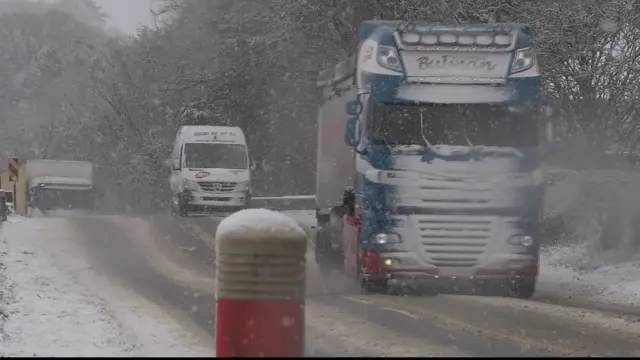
(182, 209)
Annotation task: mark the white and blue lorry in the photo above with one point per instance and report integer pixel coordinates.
(428, 167)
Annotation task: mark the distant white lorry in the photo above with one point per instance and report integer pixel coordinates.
(210, 170)
(60, 184)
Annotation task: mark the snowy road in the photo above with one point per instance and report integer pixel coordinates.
(169, 263)
(55, 302)
(340, 321)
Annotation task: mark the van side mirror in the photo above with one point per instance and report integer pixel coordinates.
(351, 132)
(354, 108)
(175, 164)
(349, 198)
(550, 129)
(550, 132)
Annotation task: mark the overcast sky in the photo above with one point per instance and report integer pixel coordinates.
(127, 15)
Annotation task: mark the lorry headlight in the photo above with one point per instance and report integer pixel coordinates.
(521, 240)
(386, 239)
(523, 59)
(388, 58)
(190, 185)
(380, 176)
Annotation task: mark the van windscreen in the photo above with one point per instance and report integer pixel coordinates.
(216, 156)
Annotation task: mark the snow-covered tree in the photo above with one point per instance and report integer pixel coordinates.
(254, 64)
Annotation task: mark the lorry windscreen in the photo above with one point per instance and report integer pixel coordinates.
(448, 124)
(215, 156)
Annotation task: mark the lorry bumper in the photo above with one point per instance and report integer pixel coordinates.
(449, 283)
(398, 269)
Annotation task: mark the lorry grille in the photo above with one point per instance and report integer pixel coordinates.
(217, 186)
(455, 241)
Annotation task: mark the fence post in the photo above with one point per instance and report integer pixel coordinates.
(260, 285)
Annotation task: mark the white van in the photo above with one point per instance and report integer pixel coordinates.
(210, 170)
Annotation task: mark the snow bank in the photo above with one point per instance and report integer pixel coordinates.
(592, 235)
(59, 306)
(597, 211)
(567, 271)
(49, 314)
(257, 220)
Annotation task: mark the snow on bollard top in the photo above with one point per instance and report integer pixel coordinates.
(260, 255)
(257, 220)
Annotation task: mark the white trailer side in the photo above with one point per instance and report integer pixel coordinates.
(59, 173)
(335, 160)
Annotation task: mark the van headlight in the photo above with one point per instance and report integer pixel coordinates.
(190, 185)
(244, 186)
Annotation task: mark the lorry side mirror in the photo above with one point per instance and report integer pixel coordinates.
(175, 164)
(351, 132)
(354, 108)
(349, 198)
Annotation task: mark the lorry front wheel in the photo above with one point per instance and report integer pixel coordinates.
(374, 286)
(182, 210)
(523, 288)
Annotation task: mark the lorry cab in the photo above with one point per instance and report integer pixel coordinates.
(210, 170)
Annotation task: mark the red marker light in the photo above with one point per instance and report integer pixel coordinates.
(202, 174)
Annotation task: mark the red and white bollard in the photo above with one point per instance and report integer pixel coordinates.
(260, 285)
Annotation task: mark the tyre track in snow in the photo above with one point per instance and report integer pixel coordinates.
(336, 326)
(186, 241)
(121, 249)
(115, 253)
